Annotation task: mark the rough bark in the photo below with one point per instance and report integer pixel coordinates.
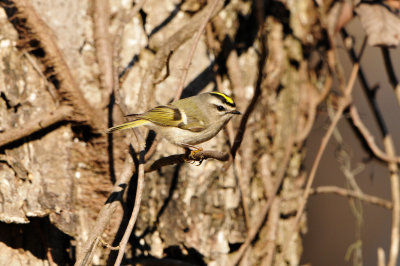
(62, 76)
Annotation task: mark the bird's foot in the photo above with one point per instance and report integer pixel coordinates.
(190, 154)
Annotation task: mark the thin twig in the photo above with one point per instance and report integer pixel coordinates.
(104, 243)
(106, 212)
(109, 208)
(390, 72)
(381, 257)
(255, 228)
(62, 113)
(343, 104)
(49, 88)
(260, 77)
(369, 138)
(393, 168)
(49, 257)
(167, 72)
(141, 143)
(389, 148)
(153, 148)
(395, 187)
(242, 186)
(193, 49)
(138, 199)
(271, 234)
(352, 194)
(303, 134)
(119, 32)
(164, 49)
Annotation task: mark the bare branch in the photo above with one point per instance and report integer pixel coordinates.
(381, 257)
(343, 104)
(303, 134)
(61, 114)
(390, 72)
(193, 49)
(260, 76)
(395, 187)
(103, 219)
(164, 49)
(352, 194)
(369, 138)
(138, 199)
(182, 158)
(390, 150)
(272, 232)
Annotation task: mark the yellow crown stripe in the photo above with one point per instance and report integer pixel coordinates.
(228, 99)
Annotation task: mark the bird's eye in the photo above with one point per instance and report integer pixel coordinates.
(220, 108)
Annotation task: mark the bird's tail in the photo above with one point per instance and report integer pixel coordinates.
(127, 125)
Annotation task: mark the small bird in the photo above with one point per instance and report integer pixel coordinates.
(189, 121)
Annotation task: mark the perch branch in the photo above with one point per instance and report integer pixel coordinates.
(63, 113)
(181, 158)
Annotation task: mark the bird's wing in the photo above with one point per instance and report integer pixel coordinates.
(169, 115)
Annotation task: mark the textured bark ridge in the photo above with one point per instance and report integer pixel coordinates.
(72, 194)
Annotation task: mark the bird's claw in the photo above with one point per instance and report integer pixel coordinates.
(191, 159)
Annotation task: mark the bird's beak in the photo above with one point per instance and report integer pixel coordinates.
(235, 112)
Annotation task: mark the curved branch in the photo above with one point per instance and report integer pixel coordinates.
(352, 194)
(369, 138)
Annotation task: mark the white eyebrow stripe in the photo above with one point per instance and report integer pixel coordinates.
(217, 101)
(184, 117)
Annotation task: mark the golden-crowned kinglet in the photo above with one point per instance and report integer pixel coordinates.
(188, 121)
